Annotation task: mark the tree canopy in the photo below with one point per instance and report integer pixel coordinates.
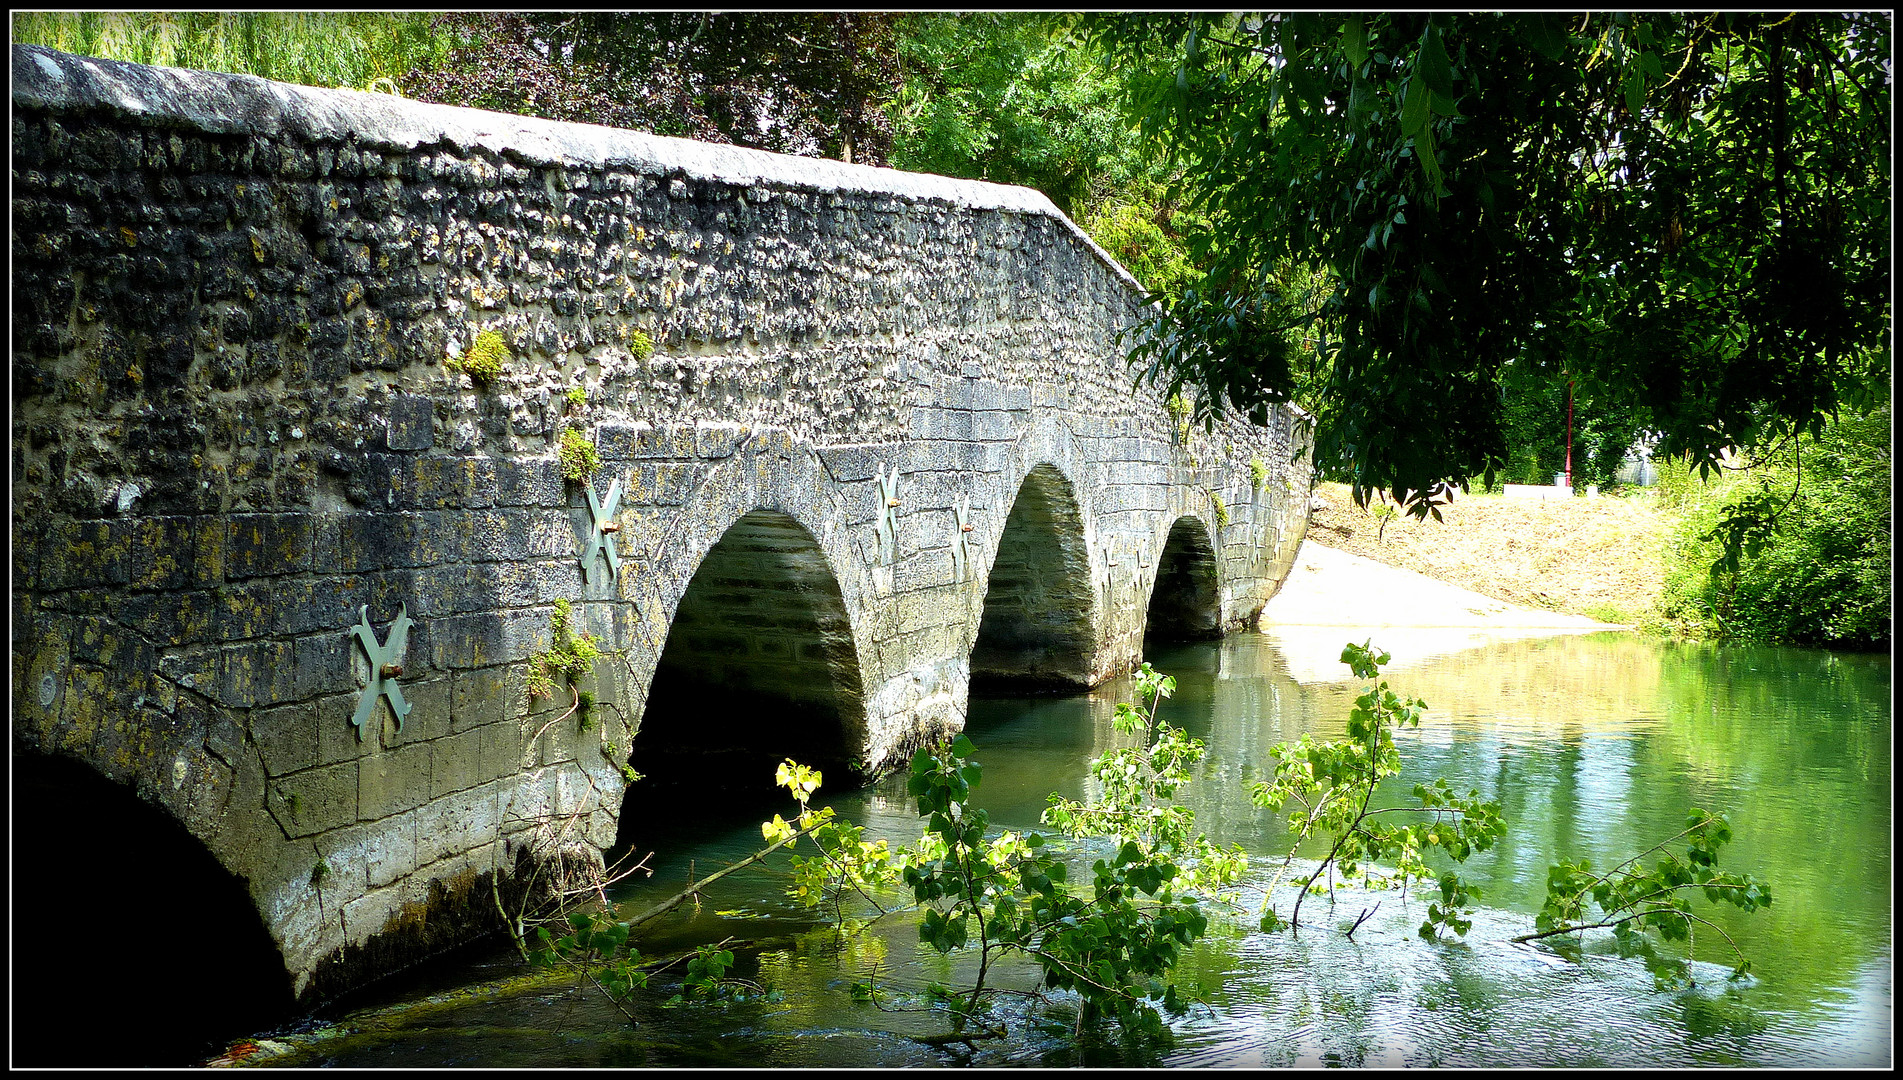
(1687, 215)
(813, 83)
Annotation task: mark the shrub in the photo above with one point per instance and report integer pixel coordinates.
(1814, 564)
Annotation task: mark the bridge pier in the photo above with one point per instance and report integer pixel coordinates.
(865, 455)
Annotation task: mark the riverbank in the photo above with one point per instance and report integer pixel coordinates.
(1331, 596)
(1595, 557)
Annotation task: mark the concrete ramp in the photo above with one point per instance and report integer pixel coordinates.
(1332, 596)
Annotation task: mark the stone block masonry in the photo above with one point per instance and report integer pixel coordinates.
(239, 422)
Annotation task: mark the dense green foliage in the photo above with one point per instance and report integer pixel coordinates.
(1533, 425)
(1019, 98)
(359, 49)
(812, 83)
(1819, 572)
(1689, 214)
(1007, 98)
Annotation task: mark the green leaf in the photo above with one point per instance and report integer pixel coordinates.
(1414, 110)
(1430, 161)
(1354, 41)
(1548, 34)
(1634, 89)
(1433, 65)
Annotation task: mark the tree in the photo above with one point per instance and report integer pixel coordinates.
(364, 50)
(1688, 211)
(1017, 98)
(803, 83)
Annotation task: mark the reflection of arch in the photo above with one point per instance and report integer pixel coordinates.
(205, 970)
(759, 665)
(1038, 626)
(1186, 600)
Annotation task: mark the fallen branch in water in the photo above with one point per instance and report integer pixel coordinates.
(693, 890)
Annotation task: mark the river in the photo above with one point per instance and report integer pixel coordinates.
(1595, 745)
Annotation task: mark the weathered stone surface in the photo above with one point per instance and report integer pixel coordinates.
(235, 433)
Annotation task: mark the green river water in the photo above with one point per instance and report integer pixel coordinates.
(1595, 745)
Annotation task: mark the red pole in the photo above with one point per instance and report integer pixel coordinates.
(1569, 433)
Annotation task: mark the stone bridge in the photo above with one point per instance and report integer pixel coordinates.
(865, 438)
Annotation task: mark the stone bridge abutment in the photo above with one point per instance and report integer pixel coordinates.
(282, 566)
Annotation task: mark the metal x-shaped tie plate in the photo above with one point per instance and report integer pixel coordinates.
(960, 552)
(600, 536)
(889, 515)
(381, 655)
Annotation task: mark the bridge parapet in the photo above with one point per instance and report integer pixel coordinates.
(235, 436)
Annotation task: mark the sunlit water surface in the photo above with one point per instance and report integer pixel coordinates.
(1595, 746)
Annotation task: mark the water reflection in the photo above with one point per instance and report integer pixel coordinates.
(1596, 746)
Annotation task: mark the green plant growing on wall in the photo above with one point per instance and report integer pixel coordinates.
(488, 355)
(569, 659)
(1333, 783)
(1258, 474)
(577, 457)
(640, 345)
(1221, 508)
(577, 397)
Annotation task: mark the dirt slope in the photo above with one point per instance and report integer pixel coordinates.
(1595, 557)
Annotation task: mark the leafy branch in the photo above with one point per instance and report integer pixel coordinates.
(1333, 783)
(1632, 900)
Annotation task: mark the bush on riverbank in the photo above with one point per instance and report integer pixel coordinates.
(1822, 574)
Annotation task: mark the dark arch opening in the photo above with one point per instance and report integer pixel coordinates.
(132, 946)
(1186, 601)
(1035, 633)
(759, 666)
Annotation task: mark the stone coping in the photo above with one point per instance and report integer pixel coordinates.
(221, 103)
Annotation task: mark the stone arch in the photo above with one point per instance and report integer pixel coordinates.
(759, 664)
(1038, 628)
(218, 973)
(1186, 596)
